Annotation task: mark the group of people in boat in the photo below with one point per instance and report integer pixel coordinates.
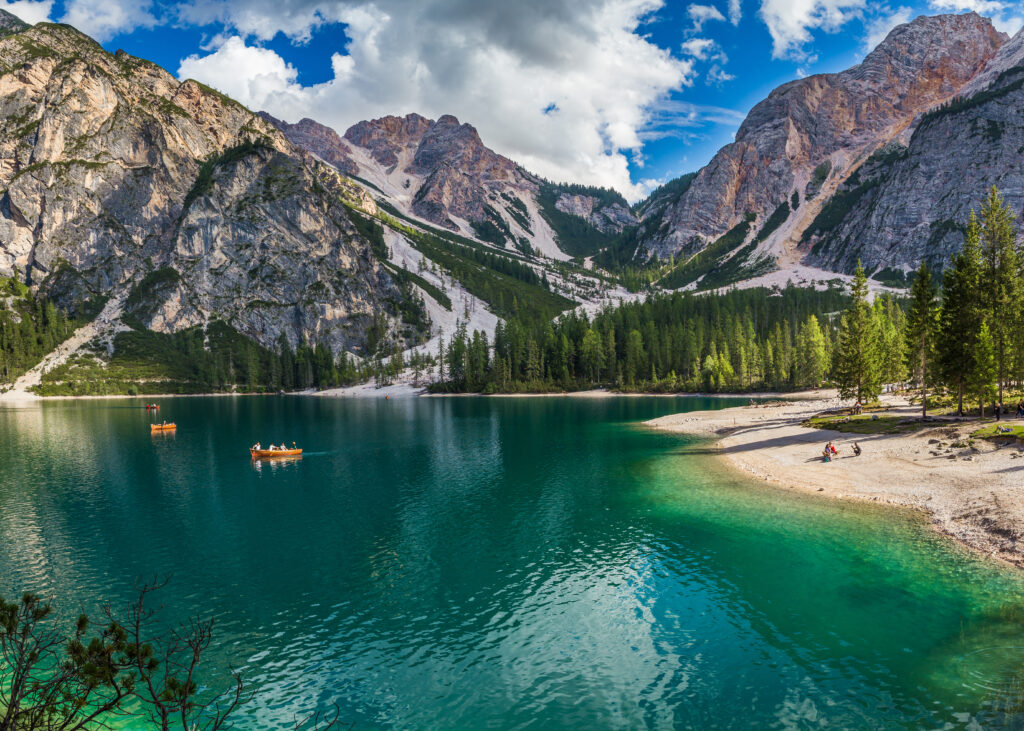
(831, 451)
(272, 448)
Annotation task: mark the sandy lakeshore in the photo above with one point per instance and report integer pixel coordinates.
(972, 493)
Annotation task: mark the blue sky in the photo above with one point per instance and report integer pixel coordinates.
(622, 93)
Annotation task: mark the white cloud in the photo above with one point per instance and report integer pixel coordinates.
(705, 49)
(701, 14)
(983, 7)
(699, 48)
(495, 65)
(1005, 15)
(718, 76)
(878, 28)
(735, 12)
(790, 22)
(28, 10)
(686, 121)
(104, 19)
(265, 73)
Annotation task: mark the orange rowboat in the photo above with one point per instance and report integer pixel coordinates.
(162, 427)
(273, 453)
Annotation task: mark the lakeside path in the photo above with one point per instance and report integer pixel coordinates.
(974, 494)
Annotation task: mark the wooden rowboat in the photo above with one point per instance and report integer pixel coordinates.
(273, 453)
(162, 427)
(152, 407)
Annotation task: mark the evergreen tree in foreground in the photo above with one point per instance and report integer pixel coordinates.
(920, 332)
(1000, 281)
(856, 364)
(960, 318)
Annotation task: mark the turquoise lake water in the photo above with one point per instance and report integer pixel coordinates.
(506, 563)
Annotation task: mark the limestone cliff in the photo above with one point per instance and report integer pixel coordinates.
(833, 119)
(913, 202)
(111, 169)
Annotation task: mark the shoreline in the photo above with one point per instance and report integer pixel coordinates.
(969, 493)
(407, 390)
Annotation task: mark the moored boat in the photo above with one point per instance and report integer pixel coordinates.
(273, 453)
(162, 427)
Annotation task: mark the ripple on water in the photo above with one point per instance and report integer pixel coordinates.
(500, 563)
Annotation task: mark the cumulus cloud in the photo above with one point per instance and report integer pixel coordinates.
(878, 28)
(30, 11)
(699, 48)
(564, 88)
(790, 22)
(104, 20)
(701, 14)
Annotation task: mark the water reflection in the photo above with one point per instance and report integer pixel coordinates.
(473, 562)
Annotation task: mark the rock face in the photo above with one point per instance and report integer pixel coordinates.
(441, 171)
(321, 141)
(457, 175)
(112, 170)
(609, 219)
(913, 202)
(841, 118)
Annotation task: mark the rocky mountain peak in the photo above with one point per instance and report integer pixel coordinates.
(386, 137)
(1010, 56)
(840, 118)
(318, 139)
(120, 181)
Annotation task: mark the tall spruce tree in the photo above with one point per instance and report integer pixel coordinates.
(812, 354)
(920, 332)
(1000, 281)
(982, 380)
(960, 317)
(856, 361)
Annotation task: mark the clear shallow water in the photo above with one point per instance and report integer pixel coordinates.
(506, 563)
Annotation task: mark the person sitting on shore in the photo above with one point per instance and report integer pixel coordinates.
(856, 449)
(826, 455)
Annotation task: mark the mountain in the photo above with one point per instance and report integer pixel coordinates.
(797, 147)
(120, 183)
(319, 140)
(913, 200)
(441, 172)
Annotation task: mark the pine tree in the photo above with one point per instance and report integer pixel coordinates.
(982, 379)
(920, 332)
(1000, 280)
(857, 359)
(812, 356)
(960, 317)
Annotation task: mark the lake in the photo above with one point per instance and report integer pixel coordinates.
(505, 563)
